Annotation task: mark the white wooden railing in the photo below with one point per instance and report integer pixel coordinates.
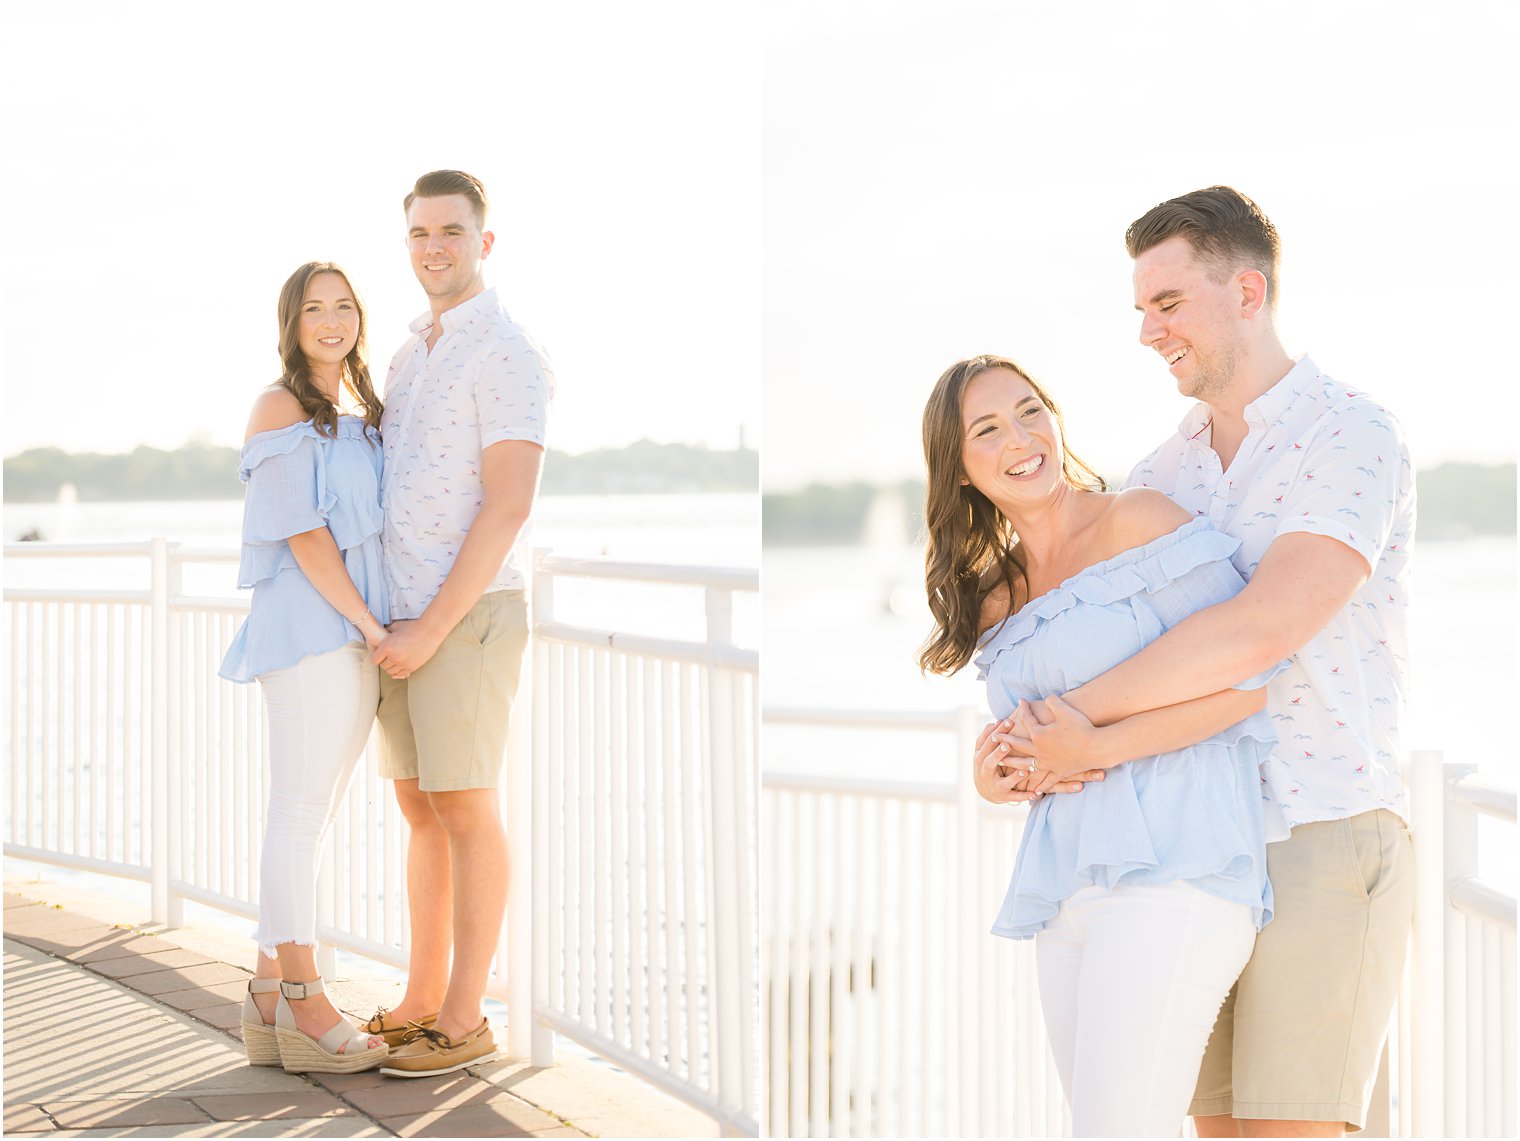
(891, 1012)
(644, 783)
(126, 755)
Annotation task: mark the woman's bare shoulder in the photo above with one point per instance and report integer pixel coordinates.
(275, 408)
(1140, 515)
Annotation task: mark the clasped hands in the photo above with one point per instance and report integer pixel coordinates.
(1045, 746)
(404, 649)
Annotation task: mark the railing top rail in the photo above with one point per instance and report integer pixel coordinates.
(925, 719)
(698, 653)
(205, 554)
(1484, 901)
(54, 594)
(773, 781)
(77, 550)
(1484, 795)
(733, 578)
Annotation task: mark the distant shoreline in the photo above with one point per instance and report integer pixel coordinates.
(1455, 501)
(204, 473)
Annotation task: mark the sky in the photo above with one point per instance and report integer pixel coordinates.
(952, 180)
(167, 165)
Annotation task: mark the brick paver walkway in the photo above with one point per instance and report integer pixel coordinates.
(112, 1031)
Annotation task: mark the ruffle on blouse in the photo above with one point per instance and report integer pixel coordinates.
(289, 493)
(1147, 568)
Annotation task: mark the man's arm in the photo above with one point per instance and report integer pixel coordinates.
(1065, 742)
(509, 471)
(1301, 583)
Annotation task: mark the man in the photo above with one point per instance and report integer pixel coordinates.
(1315, 481)
(466, 400)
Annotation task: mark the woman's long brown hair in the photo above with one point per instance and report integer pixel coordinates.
(296, 372)
(972, 546)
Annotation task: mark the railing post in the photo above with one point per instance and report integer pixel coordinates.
(723, 890)
(1425, 1049)
(964, 1117)
(1460, 846)
(541, 955)
(166, 908)
(327, 959)
(517, 939)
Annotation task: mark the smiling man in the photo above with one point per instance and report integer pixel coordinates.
(1315, 481)
(466, 401)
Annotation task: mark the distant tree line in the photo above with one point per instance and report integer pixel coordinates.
(1456, 501)
(203, 471)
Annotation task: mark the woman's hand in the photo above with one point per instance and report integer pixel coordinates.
(373, 632)
(1066, 744)
(1000, 771)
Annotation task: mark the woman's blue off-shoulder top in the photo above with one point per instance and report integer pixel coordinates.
(298, 480)
(1194, 814)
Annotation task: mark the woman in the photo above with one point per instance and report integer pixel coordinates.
(311, 553)
(1144, 891)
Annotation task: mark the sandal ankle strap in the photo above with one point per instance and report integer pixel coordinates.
(302, 990)
(263, 986)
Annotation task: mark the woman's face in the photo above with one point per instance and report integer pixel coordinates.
(329, 320)
(1011, 445)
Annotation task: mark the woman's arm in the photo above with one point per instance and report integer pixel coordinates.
(1064, 741)
(315, 551)
(321, 562)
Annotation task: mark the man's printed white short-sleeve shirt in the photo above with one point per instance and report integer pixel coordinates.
(485, 381)
(1323, 459)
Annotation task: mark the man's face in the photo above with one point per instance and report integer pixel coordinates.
(446, 245)
(1190, 319)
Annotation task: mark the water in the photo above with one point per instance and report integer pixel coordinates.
(700, 530)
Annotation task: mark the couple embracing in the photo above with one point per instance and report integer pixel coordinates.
(1199, 679)
(379, 539)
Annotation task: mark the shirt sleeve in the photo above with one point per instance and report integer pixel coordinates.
(513, 390)
(1354, 474)
(287, 486)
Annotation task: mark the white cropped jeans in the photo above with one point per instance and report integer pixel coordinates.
(320, 712)
(1130, 982)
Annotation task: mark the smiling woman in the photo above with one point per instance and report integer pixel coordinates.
(972, 547)
(1055, 580)
(323, 349)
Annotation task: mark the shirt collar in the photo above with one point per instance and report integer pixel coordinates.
(1272, 403)
(483, 302)
(1264, 409)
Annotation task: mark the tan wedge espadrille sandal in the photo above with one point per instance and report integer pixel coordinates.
(258, 1036)
(302, 1055)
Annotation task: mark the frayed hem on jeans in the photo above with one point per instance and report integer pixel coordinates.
(270, 950)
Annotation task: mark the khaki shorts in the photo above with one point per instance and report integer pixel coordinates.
(1300, 1036)
(446, 725)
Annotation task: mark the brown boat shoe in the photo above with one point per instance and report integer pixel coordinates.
(394, 1033)
(427, 1051)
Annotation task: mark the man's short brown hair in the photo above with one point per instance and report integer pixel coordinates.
(1225, 230)
(441, 183)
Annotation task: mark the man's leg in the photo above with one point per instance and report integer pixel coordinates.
(1216, 1125)
(1314, 1003)
(429, 903)
(477, 846)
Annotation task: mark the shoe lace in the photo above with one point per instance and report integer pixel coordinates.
(377, 1020)
(415, 1031)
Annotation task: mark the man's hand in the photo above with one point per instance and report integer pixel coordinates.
(406, 649)
(1065, 743)
(1001, 774)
